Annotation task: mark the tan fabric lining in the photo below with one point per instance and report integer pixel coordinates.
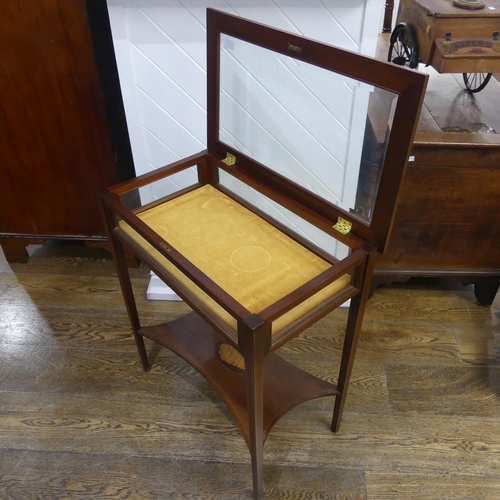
(246, 256)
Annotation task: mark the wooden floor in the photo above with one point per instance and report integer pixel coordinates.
(80, 419)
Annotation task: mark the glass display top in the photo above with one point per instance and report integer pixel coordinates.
(322, 130)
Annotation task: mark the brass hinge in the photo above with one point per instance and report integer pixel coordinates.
(229, 159)
(343, 226)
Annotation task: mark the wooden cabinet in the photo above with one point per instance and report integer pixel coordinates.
(448, 218)
(54, 137)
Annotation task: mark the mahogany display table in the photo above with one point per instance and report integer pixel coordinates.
(254, 283)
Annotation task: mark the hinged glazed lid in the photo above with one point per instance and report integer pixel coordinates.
(337, 125)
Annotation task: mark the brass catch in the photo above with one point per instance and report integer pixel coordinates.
(343, 226)
(295, 48)
(229, 160)
(165, 246)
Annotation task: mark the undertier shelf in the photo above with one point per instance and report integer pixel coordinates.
(285, 386)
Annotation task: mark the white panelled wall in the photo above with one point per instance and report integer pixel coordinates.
(160, 51)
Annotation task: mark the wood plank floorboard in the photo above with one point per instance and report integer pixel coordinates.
(396, 304)
(80, 419)
(427, 487)
(445, 390)
(385, 342)
(59, 475)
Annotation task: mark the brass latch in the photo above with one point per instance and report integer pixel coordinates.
(343, 226)
(165, 246)
(229, 160)
(295, 48)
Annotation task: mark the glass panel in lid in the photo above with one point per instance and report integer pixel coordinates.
(322, 130)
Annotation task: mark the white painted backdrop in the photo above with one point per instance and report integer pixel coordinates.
(160, 51)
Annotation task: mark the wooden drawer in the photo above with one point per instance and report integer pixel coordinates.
(439, 246)
(450, 195)
(456, 156)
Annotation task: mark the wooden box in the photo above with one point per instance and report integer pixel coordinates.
(470, 46)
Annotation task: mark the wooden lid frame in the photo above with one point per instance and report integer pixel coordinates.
(408, 85)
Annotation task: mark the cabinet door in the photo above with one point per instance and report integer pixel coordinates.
(55, 144)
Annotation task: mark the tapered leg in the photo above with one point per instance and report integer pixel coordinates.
(254, 339)
(255, 399)
(353, 329)
(120, 260)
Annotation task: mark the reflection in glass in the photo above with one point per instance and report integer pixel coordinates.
(320, 129)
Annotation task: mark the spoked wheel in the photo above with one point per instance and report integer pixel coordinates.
(403, 49)
(475, 82)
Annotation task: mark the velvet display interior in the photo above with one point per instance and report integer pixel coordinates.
(246, 256)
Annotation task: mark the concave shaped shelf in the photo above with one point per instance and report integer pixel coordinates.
(285, 386)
